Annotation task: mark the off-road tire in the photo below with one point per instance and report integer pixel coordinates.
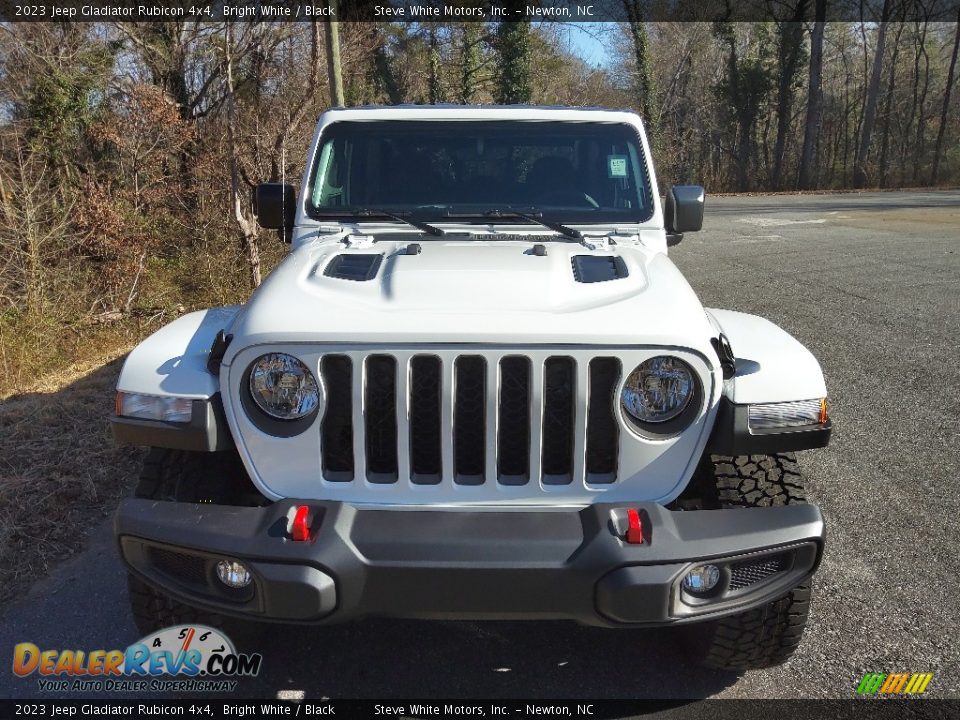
(182, 476)
(768, 635)
(196, 477)
(153, 610)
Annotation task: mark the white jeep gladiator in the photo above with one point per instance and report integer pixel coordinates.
(477, 388)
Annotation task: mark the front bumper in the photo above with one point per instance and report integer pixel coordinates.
(456, 563)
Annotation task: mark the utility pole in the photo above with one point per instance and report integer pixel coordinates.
(333, 57)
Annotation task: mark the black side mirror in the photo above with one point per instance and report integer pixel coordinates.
(275, 206)
(683, 211)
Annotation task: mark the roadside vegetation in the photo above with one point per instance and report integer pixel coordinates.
(128, 152)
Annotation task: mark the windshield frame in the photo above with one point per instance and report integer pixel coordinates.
(460, 213)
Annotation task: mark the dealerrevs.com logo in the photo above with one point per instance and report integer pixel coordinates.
(199, 658)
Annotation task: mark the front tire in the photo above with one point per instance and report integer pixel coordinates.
(766, 636)
(154, 610)
(183, 476)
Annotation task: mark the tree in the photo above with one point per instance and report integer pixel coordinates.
(244, 216)
(471, 61)
(789, 56)
(256, 48)
(645, 86)
(944, 112)
(57, 77)
(919, 92)
(870, 108)
(888, 108)
(742, 91)
(513, 45)
(435, 87)
(811, 127)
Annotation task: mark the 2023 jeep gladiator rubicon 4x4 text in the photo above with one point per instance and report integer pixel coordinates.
(477, 387)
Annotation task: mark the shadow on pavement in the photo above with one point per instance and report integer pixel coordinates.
(423, 659)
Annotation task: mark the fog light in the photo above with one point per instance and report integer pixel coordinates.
(233, 574)
(701, 579)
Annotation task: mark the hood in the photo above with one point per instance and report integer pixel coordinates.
(474, 291)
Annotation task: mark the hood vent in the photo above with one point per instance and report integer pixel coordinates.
(598, 268)
(354, 266)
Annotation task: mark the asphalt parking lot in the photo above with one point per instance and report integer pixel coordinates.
(869, 282)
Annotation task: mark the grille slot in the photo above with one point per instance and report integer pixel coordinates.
(559, 402)
(470, 394)
(380, 418)
(750, 572)
(603, 432)
(180, 566)
(426, 464)
(513, 426)
(337, 431)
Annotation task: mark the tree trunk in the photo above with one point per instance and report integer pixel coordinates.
(513, 44)
(888, 108)
(790, 44)
(870, 110)
(915, 89)
(246, 223)
(435, 91)
(935, 171)
(384, 73)
(645, 86)
(811, 129)
(470, 62)
(921, 141)
(334, 72)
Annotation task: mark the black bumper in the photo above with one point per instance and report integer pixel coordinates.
(469, 563)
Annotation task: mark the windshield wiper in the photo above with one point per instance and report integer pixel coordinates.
(425, 227)
(536, 216)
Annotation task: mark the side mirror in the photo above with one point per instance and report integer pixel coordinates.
(275, 206)
(683, 211)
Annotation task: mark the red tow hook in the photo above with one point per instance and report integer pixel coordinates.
(300, 527)
(634, 534)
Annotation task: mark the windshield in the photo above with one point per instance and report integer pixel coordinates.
(566, 171)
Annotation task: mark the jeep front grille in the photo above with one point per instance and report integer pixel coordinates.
(503, 418)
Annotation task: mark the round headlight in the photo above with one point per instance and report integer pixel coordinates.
(658, 390)
(283, 387)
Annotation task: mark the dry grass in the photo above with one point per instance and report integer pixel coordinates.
(60, 472)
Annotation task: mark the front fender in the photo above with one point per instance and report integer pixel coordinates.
(772, 365)
(173, 362)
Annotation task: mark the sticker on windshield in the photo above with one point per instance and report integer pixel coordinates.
(617, 166)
